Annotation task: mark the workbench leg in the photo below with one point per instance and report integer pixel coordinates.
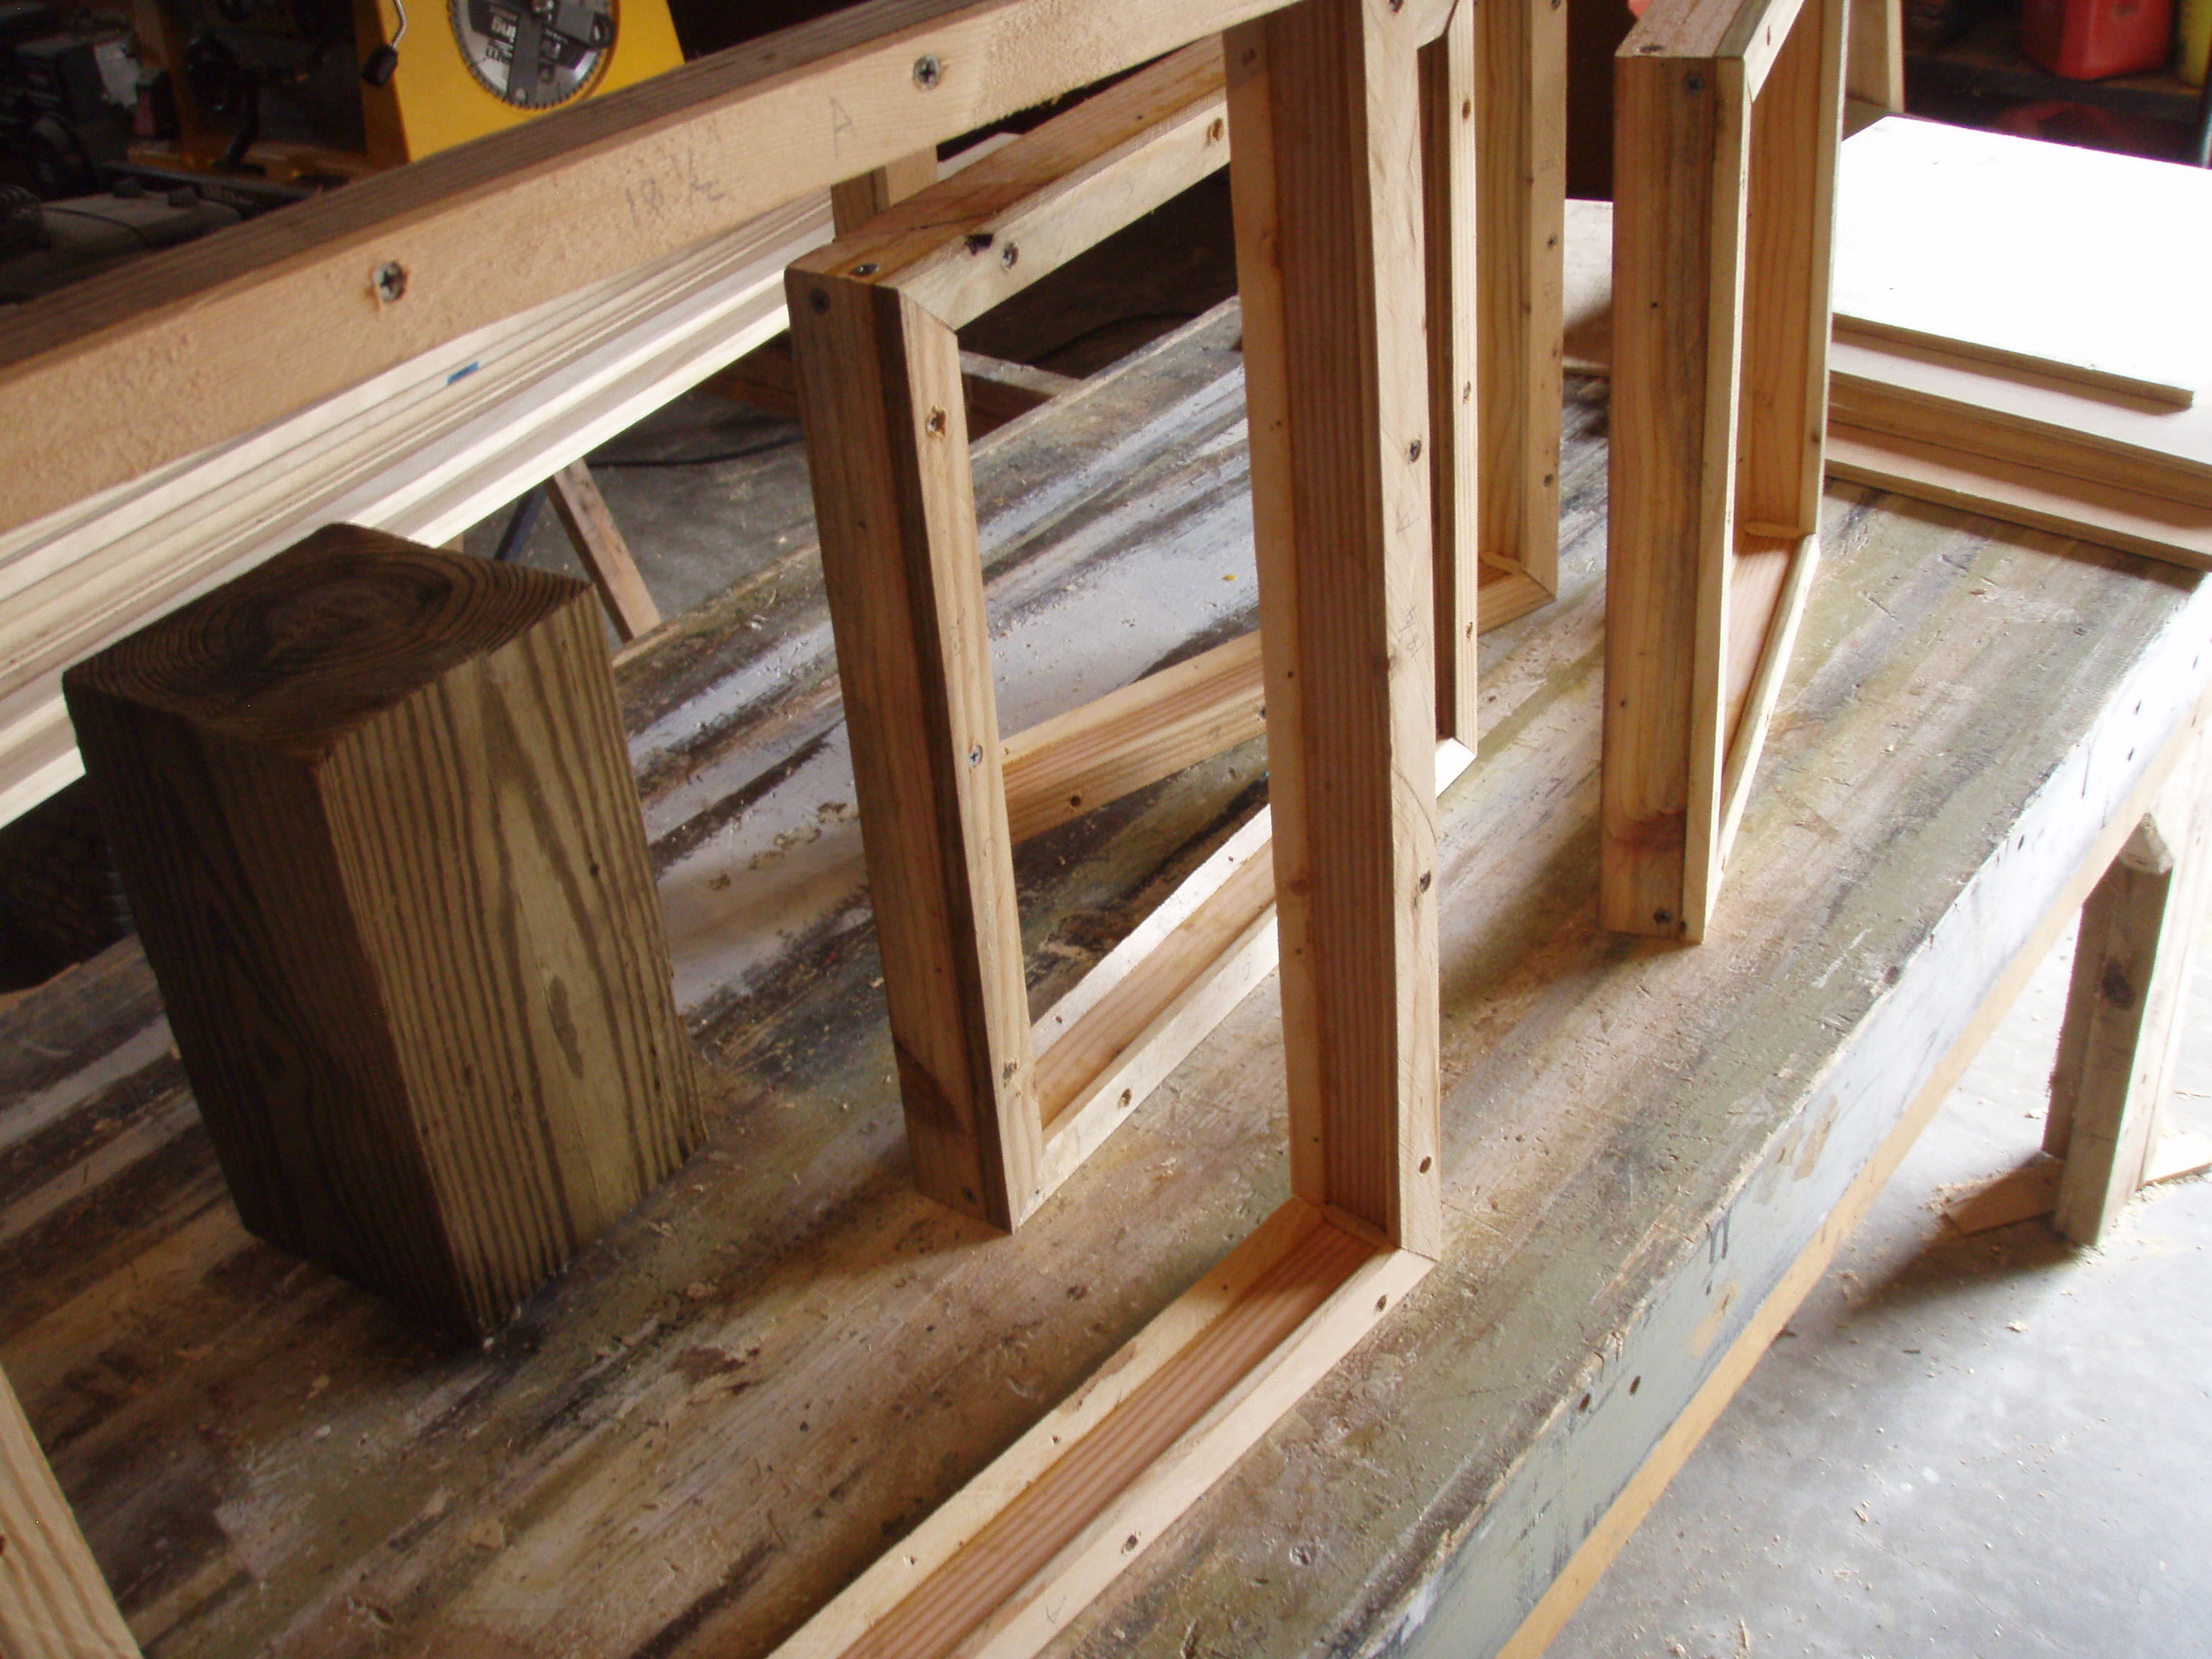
(53, 1602)
(1324, 114)
(2123, 1027)
(599, 543)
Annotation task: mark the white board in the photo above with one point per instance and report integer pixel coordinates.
(2089, 266)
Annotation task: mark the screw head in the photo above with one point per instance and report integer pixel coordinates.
(388, 281)
(1008, 255)
(928, 72)
(866, 268)
(1413, 450)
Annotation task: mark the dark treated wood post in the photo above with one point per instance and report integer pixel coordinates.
(374, 811)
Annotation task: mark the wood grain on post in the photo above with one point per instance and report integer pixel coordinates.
(53, 1602)
(880, 384)
(1324, 109)
(377, 823)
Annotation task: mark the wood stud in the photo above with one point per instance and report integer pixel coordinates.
(1727, 118)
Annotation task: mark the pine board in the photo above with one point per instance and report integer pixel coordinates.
(2088, 263)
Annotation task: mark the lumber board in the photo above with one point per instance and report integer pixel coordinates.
(987, 232)
(1137, 1013)
(1874, 71)
(1676, 264)
(1076, 762)
(1924, 425)
(854, 201)
(1726, 135)
(1943, 240)
(424, 452)
(53, 1602)
(879, 386)
(2152, 526)
(2029, 418)
(1324, 114)
(1451, 77)
(225, 334)
(2121, 1036)
(1072, 1503)
(599, 543)
(1521, 198)
(906, 581)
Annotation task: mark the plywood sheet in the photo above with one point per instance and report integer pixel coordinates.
(1948, 234)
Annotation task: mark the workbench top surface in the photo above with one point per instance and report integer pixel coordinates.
(728, 1406)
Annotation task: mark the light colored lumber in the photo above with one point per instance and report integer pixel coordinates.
(1679, 141)
(887, 444)
(2019, 416)
(1074, 762)
(1324, 110)
(1726, 135)
(1450, 81)
(856, 201)
(2122, 1029)
(1945, 238)
(1506, 595)
(1587, 306)
(872, 313)
(599, 543)
(1520, 235)
(997, 1569)
(1749, 718)
(2157, 528)
(1789, 209)
(1873, 72)
(2017, 1196)
(425, 453)
(1143, 1007)
(984, 234)
(53, 1602)
(242, 328)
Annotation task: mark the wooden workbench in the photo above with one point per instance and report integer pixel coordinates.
(781, 1361)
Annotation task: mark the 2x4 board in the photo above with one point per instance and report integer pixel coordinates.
(1728, 117)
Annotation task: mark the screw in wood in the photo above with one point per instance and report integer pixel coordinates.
(389, 282)
(928, 72)
(1008, 255)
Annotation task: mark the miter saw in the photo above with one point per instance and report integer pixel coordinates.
(307, 90)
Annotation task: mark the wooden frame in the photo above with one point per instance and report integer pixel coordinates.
(2120, 1039)
(1521, 170)
(1728, 116)
(1330, 254)
(53, 1602)
(1000, 1109)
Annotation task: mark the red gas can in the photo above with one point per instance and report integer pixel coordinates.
(2089, 39)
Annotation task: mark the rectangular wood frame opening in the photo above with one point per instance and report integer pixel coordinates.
(1000, 1106)
(1332, 269)
(1727, 118)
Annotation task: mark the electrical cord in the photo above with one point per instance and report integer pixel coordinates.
(714, 460)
